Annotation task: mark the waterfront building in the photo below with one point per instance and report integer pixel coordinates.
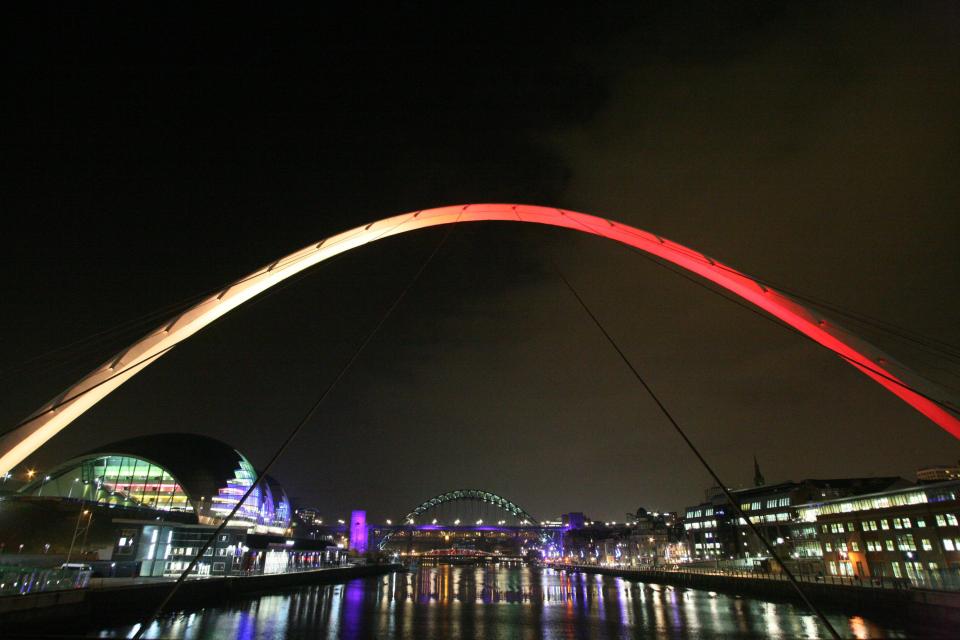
(713, 532)
(647, 538)
(171, 472)
(939, 473)
(909, 533)
(144, 506)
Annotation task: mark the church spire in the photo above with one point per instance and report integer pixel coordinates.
(758, 480)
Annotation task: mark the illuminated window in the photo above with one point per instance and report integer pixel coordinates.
(951, 519)
(921, 523)
(906, 542)
(854, 545)
(122, 481)
(948, 544)
(941, 521)
(889, 544)
(884, 525)
(925, 543)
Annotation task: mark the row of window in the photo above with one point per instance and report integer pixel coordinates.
(905, 542)
(943, 520)
(783, 516)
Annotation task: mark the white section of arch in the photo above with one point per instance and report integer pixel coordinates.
(66, 407)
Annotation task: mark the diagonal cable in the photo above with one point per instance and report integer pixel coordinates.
(669, 416)
(290, 437)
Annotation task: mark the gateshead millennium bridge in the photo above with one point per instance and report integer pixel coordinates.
(933, 401)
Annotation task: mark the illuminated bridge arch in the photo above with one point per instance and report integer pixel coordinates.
(472, 494)
(900, 380)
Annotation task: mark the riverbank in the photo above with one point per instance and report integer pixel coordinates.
(133, 601)
(911, 602)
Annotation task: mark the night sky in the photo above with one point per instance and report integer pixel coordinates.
(149, 158)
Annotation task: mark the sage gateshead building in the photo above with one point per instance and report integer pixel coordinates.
(146, 506)
(198, 478)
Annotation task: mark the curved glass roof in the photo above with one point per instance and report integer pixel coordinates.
(169, 472)
(126, 481)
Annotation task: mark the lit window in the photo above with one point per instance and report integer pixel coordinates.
(889, 544)
(884, 525)
(941, 521)
(926, 544)
(948, 544)
(906, 543)
(921, 523)
(854, 545)
(951, 519)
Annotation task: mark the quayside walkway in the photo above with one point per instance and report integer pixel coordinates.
(129, 599)
(835, 592)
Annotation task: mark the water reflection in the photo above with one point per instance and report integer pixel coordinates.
(508, 602)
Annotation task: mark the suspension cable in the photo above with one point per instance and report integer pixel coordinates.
(291, 436)
(723, 487)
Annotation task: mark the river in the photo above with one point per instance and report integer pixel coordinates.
(496, 603)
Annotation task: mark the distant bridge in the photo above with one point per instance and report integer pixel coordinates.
(518, 524)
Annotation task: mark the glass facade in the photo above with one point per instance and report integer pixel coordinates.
(261, 507)
(124, 481)
(130, 480)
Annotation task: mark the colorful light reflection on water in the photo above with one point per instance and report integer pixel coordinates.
(506, 602)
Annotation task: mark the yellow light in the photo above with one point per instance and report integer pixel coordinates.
(31, 473)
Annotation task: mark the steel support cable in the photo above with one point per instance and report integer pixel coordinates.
(946, 405)
(292, 435)
(676, 426)
(150, 316)
(935, 344)
(859, 365)
(943, 404)
(147, 359)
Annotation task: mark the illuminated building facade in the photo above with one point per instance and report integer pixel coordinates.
(173, 472)
(714, 534)
(939, 473)
(911, 534)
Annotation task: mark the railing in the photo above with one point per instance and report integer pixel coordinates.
(877, 582)
(24, 580)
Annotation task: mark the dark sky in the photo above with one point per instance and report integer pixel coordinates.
(148, 158)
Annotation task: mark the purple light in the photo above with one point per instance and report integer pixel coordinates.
(358, 531)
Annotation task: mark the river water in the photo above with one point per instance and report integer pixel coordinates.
(496, 603)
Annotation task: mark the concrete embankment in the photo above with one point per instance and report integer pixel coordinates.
(923, 603)
(131, 602)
